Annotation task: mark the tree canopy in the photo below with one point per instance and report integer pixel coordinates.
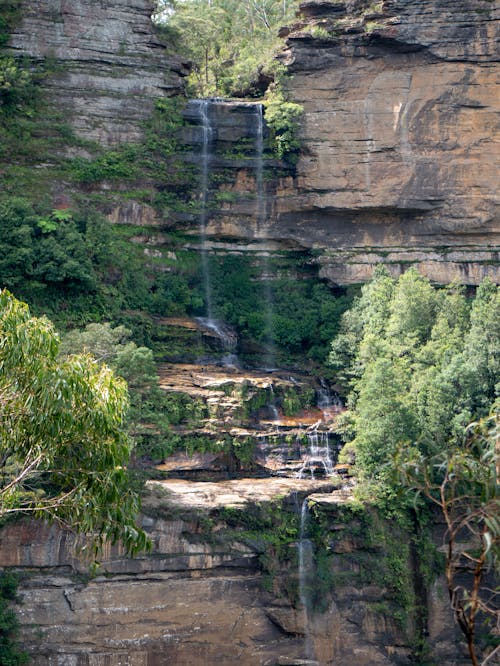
(63, 446)
(230, 42)
(421, 363)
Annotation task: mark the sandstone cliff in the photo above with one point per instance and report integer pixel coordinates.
(108, 64)
(219, 589)
(399, 140)
(400, 136)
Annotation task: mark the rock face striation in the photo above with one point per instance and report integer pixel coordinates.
(108, 63)
(400, 136)
(399, 133)
(399, 140)
(202, 597)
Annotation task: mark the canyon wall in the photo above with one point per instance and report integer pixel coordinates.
(106, 63)
(399, 133)
(399, 139)
(400, 136)
(218, 590)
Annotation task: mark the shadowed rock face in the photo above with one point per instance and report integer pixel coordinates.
(399, 137)
(110, 64)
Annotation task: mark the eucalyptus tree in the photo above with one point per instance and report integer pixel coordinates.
(63, 446)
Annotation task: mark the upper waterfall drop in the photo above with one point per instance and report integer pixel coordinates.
(203, 106)
(259, 166)
(262, 231)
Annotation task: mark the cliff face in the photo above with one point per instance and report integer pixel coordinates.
(201, 596)
(399, 131)
(400, 136)
(109, 66)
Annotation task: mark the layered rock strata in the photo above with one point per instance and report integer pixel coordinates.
(399, 141)
(201, 596)
(107, 63)
(400, 137)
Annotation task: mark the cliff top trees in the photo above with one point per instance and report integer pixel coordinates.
(229, 41)
(63, 449)
(421, 363)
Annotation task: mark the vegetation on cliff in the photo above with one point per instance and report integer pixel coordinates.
(10, 654)
(421, 363)
(230, 42)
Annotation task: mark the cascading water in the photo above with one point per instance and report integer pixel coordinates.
(223, 332)
(272, 404)
(306, 576)
(329, 403)
(319, 454)
(207, 139)
(262, 229)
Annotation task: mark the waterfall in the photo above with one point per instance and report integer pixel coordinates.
(207, 139)
(272, 404)
(329, 403)
(319, 454)
(259, 166)
(306, 575)
(262, 229)
(222, 331)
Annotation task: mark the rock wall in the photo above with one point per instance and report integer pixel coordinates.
(399, 141)
(107, 63)
(400, 137)
(208, 594)
(399, 133)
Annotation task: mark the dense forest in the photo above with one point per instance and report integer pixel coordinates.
(84, 418)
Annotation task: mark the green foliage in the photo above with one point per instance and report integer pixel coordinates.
(305, 313)
(9, 14)
(10, 653)
(420, 363)
(230, 42)
(282, 117)
(39, 252)
(152, 410)
(462, 482)
(63, 448)
(15, 84)
(116, 164)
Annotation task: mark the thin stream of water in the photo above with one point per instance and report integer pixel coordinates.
(306, 572)
(262, 230)
(207, 138)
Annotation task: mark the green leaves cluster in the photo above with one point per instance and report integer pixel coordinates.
(15, 83)
(63, 446)
(152, 410)
(305, 313)
(36, 252)
(282, 118)
(10, 654)
(230, 42)
(420, 363)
